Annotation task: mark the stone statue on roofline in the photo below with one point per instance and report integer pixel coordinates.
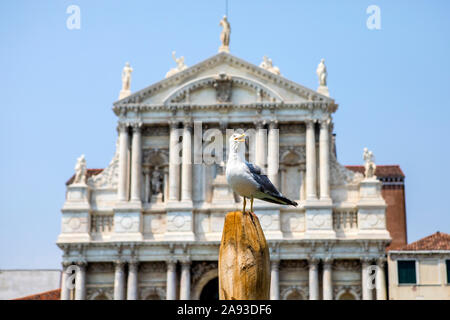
(126, 76)
(225, 35)
(180, 65)
(268, 65)
(369, 164)
(126, 81)
(322, 74)
(80, 170)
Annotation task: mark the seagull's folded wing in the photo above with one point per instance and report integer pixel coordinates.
(267, 190)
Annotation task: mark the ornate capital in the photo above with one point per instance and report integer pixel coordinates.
(173, 124)
(324, 124)
(122, 127)
(133, 265)
(259, 124)
(188, 125)
(185, 261)
(81, 263)
(119, 264)
(275, 264)
(273, 124)
(171, 264)
(136, 127)
(381, 261)
(366, 261)
(310, 123)
(313, 262)
(328, 262)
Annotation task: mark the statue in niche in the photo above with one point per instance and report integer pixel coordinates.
(268, 65)
(225, 35)
(369, 164)
(156, 182)
(180, 65)
(80, 170)
(322, 73)
(126, 77)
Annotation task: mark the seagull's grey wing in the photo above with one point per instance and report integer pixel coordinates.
(265, 185)
(267, 190)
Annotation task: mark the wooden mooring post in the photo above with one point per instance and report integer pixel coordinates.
(244, 261)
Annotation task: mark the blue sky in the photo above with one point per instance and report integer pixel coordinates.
(58, 85)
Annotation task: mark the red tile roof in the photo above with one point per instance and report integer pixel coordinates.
(47, 295)
(89, 173)
(437, 241)
(382, 171)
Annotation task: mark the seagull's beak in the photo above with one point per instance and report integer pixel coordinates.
(241, 138)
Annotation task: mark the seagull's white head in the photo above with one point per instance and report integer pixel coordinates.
(237, 142)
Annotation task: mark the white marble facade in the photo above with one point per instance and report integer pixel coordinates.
(149, 227)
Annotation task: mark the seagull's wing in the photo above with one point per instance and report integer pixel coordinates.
(267, 190)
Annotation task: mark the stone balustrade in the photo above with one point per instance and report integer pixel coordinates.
(345, 220)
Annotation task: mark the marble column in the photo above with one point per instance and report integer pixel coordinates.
(80, 281)
(119, 280)
(366, 287)
(313, 279)
(275, 280)
(380, 279)
(186, 170)
(324, 158)
(185, 281)
(311, 192)
(171, 280)
(327, 280)
(122, 192)
(260, 150)
(166, 184)
(174, 163)
(273, 153)
(132, 282)
(146, 185)
(302, 195)
(65, 285)
(136, 163)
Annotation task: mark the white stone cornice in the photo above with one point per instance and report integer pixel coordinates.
(145, 107)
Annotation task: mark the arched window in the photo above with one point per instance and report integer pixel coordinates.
(346, 295)
(101, 296)
(294, 295)
(211, 290)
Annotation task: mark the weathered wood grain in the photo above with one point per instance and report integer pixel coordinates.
(244, 261)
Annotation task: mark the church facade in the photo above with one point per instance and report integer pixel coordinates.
(149, 225)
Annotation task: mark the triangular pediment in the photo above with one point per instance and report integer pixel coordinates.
(199, 84)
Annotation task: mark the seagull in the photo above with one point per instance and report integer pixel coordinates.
(246, 178)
